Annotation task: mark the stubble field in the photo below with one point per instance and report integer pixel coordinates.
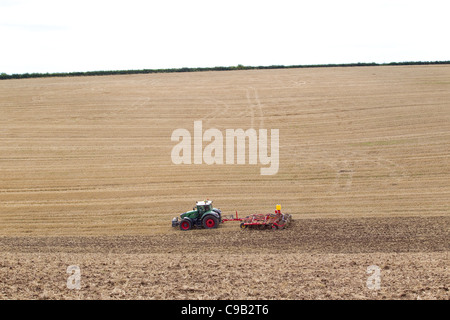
(86, 179)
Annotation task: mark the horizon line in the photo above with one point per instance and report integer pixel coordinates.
(5, 76)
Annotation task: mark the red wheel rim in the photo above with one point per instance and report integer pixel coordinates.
(210, 223)
(185, 225)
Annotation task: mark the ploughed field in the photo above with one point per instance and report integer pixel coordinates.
(87, 180)
(320, 258)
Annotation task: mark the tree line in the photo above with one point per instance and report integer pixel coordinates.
(4, 76)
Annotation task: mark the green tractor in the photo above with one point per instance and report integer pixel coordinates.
(202, 215)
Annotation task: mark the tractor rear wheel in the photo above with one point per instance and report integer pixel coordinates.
(185, 225)
(210, 222)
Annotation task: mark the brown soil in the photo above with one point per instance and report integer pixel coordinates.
(313, 259)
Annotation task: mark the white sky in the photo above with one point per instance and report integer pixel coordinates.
(87, 35)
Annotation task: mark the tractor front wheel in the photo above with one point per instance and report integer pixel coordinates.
(185, 225)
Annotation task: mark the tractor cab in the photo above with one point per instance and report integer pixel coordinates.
(203, 206)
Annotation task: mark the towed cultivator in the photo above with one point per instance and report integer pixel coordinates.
(261, 221)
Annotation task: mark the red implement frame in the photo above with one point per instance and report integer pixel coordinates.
(230, 218)
(275, 220)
